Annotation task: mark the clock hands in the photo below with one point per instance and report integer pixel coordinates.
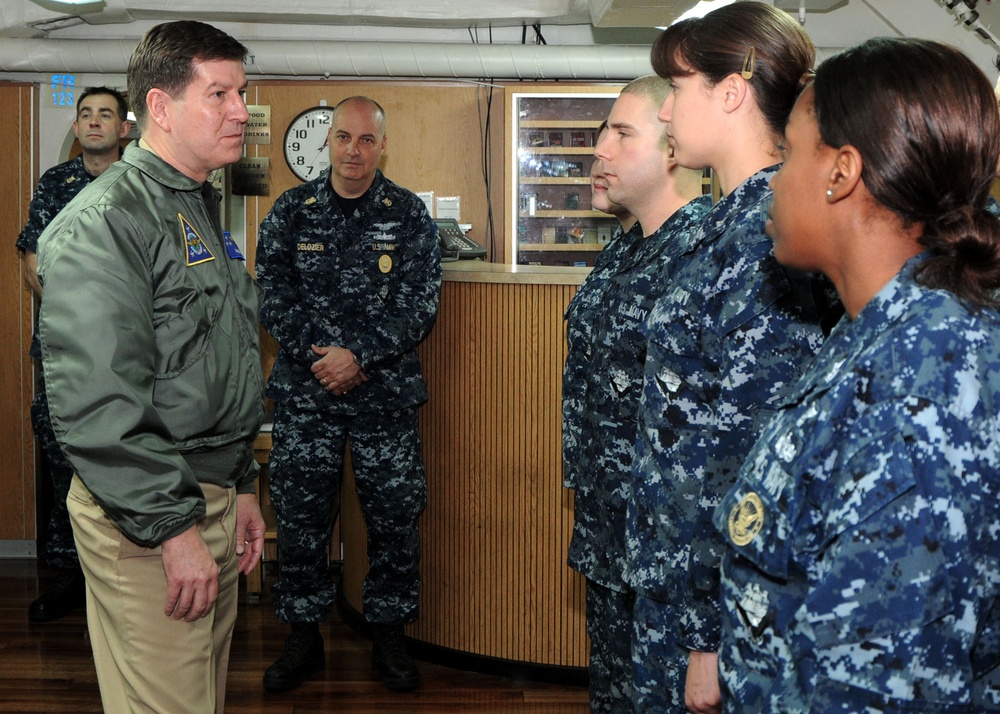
(312, 164)
(304, 132)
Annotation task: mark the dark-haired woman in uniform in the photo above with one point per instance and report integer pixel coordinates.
(732, 331)
(863, 573)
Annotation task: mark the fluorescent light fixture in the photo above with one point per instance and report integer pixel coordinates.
(701, 9)
(58, 23)
(73, 7)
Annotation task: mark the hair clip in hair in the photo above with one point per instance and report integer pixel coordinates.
(748, 63)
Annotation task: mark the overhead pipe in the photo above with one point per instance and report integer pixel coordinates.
(310, 58)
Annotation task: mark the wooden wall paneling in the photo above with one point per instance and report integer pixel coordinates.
(511, 164)
(498, 522)
(493, 95)
(17, 154)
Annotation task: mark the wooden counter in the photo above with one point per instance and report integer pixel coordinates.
(474, 271)
(498, 521)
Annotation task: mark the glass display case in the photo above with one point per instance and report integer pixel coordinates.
(551, 149)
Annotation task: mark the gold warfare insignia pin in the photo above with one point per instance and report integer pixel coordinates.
(385, 263)
(311, 200)
(387, 202)
(746, 519)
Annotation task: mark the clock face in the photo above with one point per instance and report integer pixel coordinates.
(307, 148)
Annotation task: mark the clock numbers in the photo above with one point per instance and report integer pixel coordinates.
(306, 142)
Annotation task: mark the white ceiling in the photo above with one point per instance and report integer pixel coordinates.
(19, 16)
(833, 24)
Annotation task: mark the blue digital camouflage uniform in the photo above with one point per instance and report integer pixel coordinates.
(864, 569)
(368, 282)
(731, 333)
(602, 381)
(57, 187)
(578, 337)
(586, 299)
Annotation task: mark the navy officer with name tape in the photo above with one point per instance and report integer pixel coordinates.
(351, 272)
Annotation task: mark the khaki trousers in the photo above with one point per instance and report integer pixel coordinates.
(146, 661)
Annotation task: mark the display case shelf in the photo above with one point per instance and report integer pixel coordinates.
(590, 213)
(551, 135)
(560, 247)
(555, 180)
(558, 150)
(561, 124)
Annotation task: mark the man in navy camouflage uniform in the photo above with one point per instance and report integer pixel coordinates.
(101, 121)
(603, 376)
(351, 272)
(586, 300)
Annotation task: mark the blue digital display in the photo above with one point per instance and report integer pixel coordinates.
(63, 90)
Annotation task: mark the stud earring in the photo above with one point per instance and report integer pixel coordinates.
(829, 193)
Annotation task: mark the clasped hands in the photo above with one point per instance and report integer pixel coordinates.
(336, 369)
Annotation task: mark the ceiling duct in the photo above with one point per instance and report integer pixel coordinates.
(276, 58)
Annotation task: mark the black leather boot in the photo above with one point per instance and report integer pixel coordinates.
(67, 593)
(389, 656)
(303, 655)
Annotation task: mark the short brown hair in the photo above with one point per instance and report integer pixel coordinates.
(119, 98)
(166, 55)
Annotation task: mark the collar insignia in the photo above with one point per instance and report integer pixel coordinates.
(197, 251)
(387, 203)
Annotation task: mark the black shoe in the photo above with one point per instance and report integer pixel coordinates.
(303, 655)
(399, 672)
(68, 593)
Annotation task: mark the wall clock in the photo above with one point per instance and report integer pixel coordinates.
(307, 148)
